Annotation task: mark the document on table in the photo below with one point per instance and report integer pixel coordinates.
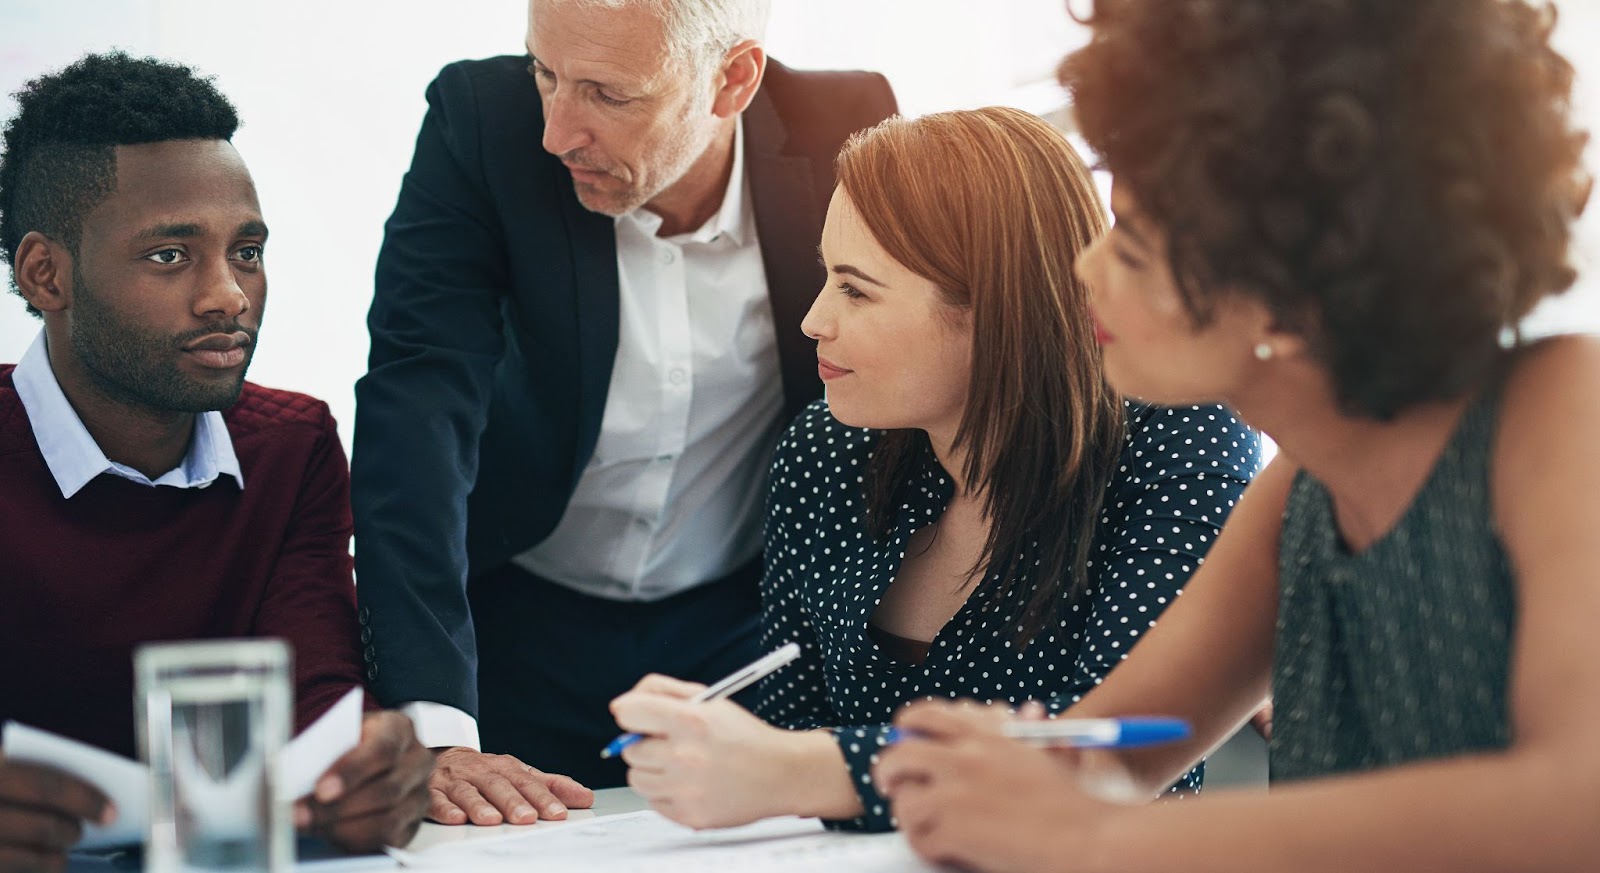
(127, 782)
(645, 842)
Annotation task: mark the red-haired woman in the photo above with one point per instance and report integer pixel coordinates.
(972, 511)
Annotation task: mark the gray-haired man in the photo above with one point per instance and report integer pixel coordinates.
(585, 341)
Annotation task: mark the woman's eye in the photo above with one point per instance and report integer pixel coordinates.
(850, 291)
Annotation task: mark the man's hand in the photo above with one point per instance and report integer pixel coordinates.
(375, 795)
(498, 789)
(41, 815)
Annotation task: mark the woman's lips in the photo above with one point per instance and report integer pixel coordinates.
(829, 370)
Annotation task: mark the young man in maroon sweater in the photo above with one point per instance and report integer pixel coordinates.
(147, 492)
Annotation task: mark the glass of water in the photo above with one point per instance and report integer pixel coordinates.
(213, 721)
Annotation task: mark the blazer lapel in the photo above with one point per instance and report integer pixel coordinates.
(596, 299)
(789, 224)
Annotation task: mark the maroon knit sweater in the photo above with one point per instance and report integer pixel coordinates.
(83, 581)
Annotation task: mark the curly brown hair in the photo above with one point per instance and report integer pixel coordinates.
(1395, 179)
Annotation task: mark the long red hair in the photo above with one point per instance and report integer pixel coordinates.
(994, 207)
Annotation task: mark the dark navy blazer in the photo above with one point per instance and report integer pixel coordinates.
(494, 328)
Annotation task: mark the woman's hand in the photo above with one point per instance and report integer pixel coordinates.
(967, 796)
(705, 765)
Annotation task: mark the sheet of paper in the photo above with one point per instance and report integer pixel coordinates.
(127, 782)
(645, 842)
(318, 746)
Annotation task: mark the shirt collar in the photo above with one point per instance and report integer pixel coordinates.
(74, 458)
(733, 218)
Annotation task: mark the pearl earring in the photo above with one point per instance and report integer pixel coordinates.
(1263, 352)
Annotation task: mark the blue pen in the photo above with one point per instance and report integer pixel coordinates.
(1090, 733)
(730, 684)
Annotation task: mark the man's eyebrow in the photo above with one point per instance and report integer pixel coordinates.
(620, 87)
(180, 230)
(190, 230)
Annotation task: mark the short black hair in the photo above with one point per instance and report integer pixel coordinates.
(59, 156)
(1397, 181)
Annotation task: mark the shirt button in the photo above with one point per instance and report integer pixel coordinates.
(667, 256)
(676, 377)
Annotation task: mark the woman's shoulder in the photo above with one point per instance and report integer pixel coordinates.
(1559, 361)
(1168, 440)
(1549, 408)
(818, 445)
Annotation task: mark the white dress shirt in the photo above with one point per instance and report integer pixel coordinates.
(74, 458)
(672, 497)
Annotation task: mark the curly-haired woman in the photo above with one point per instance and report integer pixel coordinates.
(1331, 215)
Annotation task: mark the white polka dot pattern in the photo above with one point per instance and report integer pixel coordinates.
(1180, 472)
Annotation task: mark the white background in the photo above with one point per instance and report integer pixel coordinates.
(331, 94)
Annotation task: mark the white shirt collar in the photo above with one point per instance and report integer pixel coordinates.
(733, 216)
(74, 458)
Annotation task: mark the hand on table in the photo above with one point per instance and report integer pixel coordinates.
(704, 765)
(375, 795)
(967, 796)
(42, 811)
(470, 786)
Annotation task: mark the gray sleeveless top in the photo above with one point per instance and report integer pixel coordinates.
(1402, 652)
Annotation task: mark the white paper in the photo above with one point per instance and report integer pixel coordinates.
(645, 842)
(127, 783)
(309, 755)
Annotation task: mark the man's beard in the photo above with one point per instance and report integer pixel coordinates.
(140, 368)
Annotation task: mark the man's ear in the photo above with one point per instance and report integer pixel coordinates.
(42, 270)
(739, 77)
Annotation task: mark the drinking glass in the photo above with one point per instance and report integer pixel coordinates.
(214, 719)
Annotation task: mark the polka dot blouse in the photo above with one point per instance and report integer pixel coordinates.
(1181, 470)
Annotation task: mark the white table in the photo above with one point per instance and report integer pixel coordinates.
(607, 801)
(783, 844)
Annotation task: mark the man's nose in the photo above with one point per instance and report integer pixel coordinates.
(222, 295)
(564, 127)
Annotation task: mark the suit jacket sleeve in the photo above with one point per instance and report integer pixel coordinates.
(436, 334)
